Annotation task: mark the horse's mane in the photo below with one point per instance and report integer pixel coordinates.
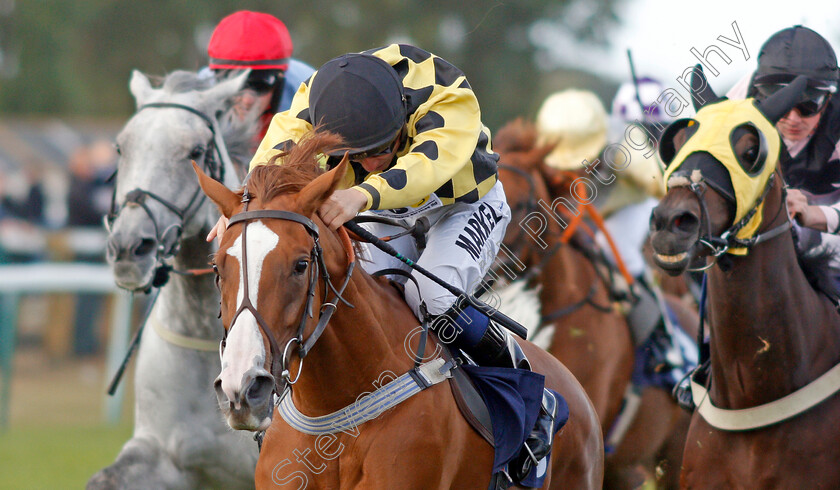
(517, 136)
(289, 171)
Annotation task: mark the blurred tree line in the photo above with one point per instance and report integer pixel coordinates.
(75, 56)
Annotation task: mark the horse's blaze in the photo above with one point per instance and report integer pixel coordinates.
(245, 351)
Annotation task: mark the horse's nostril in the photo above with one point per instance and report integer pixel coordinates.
(658, 220)
(220, 393)
(260, 389)
(685, 222)
(145, 247)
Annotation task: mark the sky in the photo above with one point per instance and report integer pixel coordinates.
(661, 33)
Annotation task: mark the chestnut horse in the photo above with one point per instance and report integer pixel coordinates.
(423, 442)
(591, 337)
(761, 422)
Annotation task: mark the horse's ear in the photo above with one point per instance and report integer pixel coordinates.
(701, 92)
(225, 199)
(316, 192)
(780, 103)
(226, 89)
(140, 86)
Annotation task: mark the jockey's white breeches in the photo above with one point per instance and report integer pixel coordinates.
(461, 244)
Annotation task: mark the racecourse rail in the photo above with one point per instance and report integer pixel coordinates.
(42, 278)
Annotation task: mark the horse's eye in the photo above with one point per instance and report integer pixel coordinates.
(300, 266)
(117, 149)
(196, 152)
(749, 147)
(751, 154)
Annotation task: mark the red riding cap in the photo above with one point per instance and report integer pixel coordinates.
(253, 40)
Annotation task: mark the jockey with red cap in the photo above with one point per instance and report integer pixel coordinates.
(259, 42)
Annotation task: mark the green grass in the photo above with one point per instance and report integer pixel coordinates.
(57, 458)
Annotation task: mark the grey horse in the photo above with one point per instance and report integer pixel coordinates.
(159, 223)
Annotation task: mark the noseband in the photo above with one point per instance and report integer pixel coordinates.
(141, 197)
(279, 359)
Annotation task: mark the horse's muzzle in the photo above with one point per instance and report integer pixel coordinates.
(248, 408)
(674, 230)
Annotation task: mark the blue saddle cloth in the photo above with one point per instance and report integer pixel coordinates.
(651, 367)
(513, 398)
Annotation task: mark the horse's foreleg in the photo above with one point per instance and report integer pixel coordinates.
(141, 464)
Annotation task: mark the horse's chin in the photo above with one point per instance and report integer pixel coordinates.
(249, 422)
(133, 276)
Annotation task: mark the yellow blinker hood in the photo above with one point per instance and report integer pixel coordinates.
(716, 123)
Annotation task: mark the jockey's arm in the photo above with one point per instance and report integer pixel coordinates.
(443, 134)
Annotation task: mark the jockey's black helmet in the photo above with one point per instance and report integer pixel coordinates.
(796, 51)
(360, 97)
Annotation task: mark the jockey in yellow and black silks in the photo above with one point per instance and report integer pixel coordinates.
(444, 149)
(419, 153)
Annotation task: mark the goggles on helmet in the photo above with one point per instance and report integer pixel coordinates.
(376, 152)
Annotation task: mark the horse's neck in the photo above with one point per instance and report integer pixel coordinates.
(361, 348)
(771, 333)
(189, 305)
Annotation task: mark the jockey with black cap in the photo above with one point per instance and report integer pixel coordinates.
(811, 130)
(418, 151)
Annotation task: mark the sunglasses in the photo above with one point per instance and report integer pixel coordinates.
(807, 108)
(259, 81)
(811, 107)
(386, 149)
(260, 86)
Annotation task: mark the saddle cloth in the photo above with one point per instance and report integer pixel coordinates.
(502, 405)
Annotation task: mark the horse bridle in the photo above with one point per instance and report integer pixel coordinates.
(719, 245)
(528, 206)
(140, 197)
(279, 360)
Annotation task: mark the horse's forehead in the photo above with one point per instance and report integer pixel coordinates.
(150, 120)
(261, 240)
(156, 136)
